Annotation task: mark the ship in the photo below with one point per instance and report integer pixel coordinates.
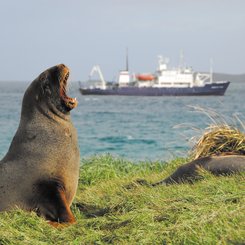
(180, 81)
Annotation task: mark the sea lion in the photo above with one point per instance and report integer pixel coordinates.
(217, 165)
(41, 168)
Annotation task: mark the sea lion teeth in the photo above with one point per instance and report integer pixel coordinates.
(69, 102)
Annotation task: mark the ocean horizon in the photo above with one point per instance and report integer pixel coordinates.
(135, 128)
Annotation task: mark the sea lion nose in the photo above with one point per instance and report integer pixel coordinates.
(62, 66)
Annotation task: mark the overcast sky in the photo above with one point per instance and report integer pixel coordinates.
(37, 34)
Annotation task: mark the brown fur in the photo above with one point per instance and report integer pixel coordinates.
(40, 171)
(217, 165)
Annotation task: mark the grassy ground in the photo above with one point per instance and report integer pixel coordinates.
(111, 208)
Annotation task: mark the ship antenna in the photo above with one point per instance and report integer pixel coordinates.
(181, 59)
(126, 59)
(211, 70)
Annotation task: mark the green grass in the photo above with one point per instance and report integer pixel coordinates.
(111, 207)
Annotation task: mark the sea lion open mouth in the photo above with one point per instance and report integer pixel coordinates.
(69, 102)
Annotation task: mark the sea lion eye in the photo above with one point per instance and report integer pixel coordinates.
(45, 86)
(43, 77)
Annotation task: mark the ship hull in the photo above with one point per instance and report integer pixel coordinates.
(208, 89)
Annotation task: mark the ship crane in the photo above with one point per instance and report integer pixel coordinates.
(96, 69)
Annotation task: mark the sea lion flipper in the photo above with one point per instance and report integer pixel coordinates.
(52, 202)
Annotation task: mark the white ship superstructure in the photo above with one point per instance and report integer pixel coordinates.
(181, 77)
(124, 78)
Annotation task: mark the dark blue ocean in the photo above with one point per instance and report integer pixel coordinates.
(135, 128)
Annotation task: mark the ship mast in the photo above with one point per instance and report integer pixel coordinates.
(211, 70)
(181, 60)
(126, 59)
(124, 77)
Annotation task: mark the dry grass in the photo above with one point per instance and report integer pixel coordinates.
(219, 138)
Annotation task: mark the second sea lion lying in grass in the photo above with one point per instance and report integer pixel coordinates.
(217, 165)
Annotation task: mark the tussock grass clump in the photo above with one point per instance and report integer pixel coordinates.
(223, 136)
(219, 140)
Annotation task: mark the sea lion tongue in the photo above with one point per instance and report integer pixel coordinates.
(64, 73)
